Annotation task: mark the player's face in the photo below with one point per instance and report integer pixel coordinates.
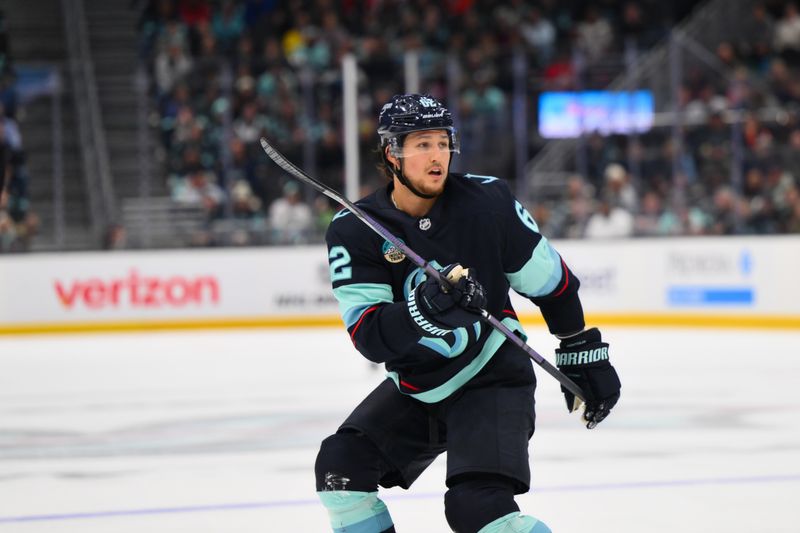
(426, 159)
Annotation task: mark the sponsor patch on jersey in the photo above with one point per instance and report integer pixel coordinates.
(392, 253)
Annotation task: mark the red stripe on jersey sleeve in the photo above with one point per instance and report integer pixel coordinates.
(365, 313)
(408, 385)
(566, 279)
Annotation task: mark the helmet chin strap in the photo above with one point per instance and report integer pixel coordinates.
(398, 173)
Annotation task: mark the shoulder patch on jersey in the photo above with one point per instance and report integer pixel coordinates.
(392, 253)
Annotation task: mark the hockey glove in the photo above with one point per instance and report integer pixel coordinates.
(438, 309)
(584, 359)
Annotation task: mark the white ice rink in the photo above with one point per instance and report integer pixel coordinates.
(217, 432)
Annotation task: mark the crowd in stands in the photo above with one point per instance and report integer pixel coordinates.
(738, 169)
(227, 72)
(18, 224)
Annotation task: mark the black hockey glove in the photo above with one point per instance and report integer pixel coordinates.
(584, 359)
(437, 309)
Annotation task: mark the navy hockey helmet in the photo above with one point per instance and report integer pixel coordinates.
(407, 113)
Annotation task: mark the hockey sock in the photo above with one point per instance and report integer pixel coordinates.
(515, 523)
(356, 512)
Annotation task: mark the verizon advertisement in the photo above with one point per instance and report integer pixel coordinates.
(175, 285)
(755, 277)
(137, 290)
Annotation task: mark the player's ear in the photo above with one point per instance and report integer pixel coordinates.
(390, 158)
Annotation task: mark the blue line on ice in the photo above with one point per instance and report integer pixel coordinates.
(389, 497)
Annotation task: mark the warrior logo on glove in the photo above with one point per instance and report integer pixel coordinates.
(584, 359)
(448, 307)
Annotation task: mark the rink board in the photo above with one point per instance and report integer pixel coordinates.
(716, 282)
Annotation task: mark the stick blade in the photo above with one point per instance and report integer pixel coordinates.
(296, 172)
(277, 157)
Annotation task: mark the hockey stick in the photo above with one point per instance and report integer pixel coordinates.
(429, 269)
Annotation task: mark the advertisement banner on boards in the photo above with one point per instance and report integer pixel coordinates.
(166, 285)
(750, 277)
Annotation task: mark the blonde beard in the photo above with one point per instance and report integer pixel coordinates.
(425, 188)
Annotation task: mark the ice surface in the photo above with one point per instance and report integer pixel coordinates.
(217, 432)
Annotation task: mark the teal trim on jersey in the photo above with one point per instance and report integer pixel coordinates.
(353, 511)
(447, 388)
(515, 523)
(355, 298)
(540, 275)
(441, 346)
(417, 276)
(486, 179)
(340, 214)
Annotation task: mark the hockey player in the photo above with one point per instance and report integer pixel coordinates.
(453, 383)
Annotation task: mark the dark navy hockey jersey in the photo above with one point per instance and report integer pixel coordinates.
(475, 222)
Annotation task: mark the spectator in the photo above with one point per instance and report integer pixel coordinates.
(251, 126)
(635, 26)
(648, 222)
(713, 150)
(153, 22)
(609, 222)
(726, 212)
(784, 190)
(484, 117)
(290, 218)
(594, 34)
(8, 93)
(172, 32)
(228, 25)
(172, 66)
(244, 204)
(18, 202)
(323, 213)
(185, 125)
(115, 238)
(194, 12)
(568, 219)
(619, 188)
(540, 34)
(790, 214)
(8, 232)
(790, 154)
(256, 11)
(756, 41)
(5, 48)
(243, 166)
(560, 74)
(199, 189)
(760, 216)
(5, 170)
(684, 220)
(787, 34)
(207, 63)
